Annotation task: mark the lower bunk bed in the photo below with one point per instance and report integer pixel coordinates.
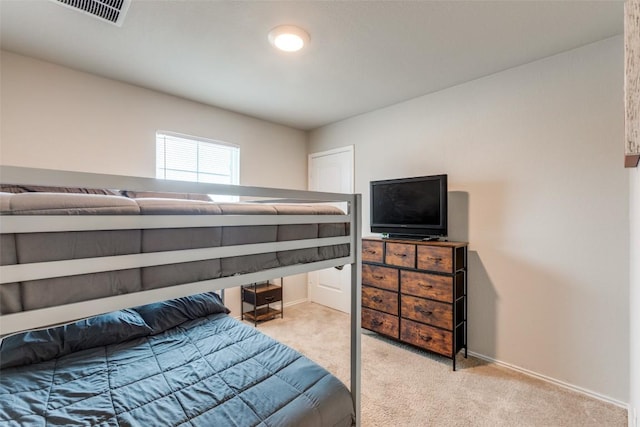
(182, 362)
(110, 316)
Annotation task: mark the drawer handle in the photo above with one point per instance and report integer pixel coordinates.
(269, 298)
(401, 255)
(424, 285)
(376, 299)
(371, 251)
(425, 312)
(378, 277)
(436, 259)
(426, 338)
(376, 322)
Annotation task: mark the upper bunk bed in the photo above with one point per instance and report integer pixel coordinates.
(67, 258)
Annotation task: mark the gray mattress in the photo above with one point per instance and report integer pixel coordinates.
(183, 362)
(42, 247)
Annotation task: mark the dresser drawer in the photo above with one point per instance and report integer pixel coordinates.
(427, 337)
(380, 300)
(372, 251)
(427, 285)
(382, 323)
(434, 258)
(427, 311)
(400, 254)
(380, 277)
(263, 294)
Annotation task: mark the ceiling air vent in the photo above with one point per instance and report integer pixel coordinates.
(107, 10)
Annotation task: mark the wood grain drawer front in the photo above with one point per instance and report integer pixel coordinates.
(372, 251)
(380, 277)
(380, 300)
(400, 254)
(427, 337)
(262, 296)
(427, 285)
(427, 311)
(434, 258)
(382, 323)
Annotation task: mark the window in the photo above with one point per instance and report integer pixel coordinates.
(187, 158)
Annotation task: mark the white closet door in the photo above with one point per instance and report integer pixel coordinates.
(332, 171)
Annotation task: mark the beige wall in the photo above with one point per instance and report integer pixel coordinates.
(538, 189)
(634, 298)
(57, 118)
(632, 122)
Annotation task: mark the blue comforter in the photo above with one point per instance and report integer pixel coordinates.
(181, 362)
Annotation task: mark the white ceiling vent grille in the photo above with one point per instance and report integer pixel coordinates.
(112, 11)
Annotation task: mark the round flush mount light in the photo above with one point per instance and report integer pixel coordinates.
(288, 38)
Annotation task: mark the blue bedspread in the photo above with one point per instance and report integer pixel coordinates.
(207, 371)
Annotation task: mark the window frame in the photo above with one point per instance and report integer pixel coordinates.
(162, 137)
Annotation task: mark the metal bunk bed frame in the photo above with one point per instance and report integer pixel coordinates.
(15, 322)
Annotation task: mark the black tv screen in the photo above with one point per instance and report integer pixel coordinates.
(410, 206)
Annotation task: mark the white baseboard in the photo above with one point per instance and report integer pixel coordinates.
(560, 383)
(296, 302)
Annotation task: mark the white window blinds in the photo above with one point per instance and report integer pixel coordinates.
(187, 158)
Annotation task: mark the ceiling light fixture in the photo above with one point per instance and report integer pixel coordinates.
(288, 38)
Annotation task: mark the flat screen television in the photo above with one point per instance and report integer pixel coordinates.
(410, 207)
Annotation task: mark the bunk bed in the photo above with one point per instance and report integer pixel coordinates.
(110, 313)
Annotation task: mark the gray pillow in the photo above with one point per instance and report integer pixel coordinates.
(165, 315)
(41, 345)
(23, 188)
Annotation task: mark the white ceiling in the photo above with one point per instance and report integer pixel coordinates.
(363, 55)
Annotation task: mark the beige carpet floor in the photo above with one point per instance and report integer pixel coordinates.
(403, 386)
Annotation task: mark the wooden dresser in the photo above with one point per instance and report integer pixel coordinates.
(416, 292)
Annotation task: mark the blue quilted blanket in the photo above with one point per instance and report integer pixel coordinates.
(182, 362)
